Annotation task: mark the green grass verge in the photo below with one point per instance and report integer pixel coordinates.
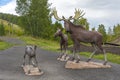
(4, 45)
(111, 57)
(44, 44)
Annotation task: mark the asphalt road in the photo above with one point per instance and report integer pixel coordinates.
(11, 60)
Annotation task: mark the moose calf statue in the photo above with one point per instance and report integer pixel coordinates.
(32, 68)
(63, 45)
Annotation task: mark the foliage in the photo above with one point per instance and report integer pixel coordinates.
(11, 29)
(4, 45)
(2, 29)
(35, 17)
(43, 43)
(116, 29)
(102, 30)
(82, 21)
(9, 17)
(93, 29)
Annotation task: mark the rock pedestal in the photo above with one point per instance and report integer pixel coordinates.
(85, 65)
(30, 70)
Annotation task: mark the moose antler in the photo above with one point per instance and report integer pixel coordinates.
(54, 13)
(78, 14)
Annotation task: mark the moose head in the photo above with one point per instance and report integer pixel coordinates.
(78, 14)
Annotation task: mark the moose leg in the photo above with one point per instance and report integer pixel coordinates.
(34, 62)
(74, 51)
(61, 54)
(24, 59)
(65, 52)
(29, 61)
(78, 56)
(105, 56)
(92, 53)
(73, 57)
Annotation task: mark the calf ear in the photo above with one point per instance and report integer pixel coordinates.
(35, 47)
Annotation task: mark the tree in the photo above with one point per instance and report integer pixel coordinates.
(82, 21)
(93, 29)
(116, 29)
(102, 30)
(34, 17)
(110, 32)
(2, 30)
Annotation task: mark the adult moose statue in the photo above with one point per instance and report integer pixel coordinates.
(63, 43)
(79, 34)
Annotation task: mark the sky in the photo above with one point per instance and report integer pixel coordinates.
(105, 12)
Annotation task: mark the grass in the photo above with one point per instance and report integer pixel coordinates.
(15, 28)
(44, 44)
(111, 57)
(4, 45)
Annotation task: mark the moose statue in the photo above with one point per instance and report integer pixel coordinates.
(63, 44)
(79, 34)
(31, 69)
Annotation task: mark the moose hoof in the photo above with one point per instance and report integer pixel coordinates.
(72, 59)
(40, 70)
(22, 65)
(88, 60)
(77, 60)
(105, 63)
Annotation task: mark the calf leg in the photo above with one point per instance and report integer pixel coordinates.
(24, 59)
(65, 52)
(29, 61)
(34, 62)
(62, 53)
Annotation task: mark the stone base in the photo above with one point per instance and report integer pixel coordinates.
(33, 70)
(85, 65)
(63, 58)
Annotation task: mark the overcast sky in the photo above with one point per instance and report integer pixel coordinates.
(105, 12)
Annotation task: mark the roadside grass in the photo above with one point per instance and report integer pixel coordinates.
(5, 45)
(111, 57)
(42, 43)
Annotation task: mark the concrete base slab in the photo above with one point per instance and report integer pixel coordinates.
(30, 70)
(85, 65)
